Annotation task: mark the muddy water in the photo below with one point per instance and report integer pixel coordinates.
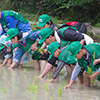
(22, 84)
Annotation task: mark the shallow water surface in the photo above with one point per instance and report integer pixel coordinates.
(22, 84)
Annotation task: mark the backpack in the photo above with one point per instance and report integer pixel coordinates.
(78, 25)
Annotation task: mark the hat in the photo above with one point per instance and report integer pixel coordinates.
(43, 19)
(3, 42)
(73, 49)
(44, 33)
(52, 47)
(11, 33)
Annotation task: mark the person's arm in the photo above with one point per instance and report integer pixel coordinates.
(58, 69)
(34, 46)
(74, 75)
(96, 61)
(44, 45)
(46, 70)
(18, 54)
(94, 75)
(49, 65)
(35, 37)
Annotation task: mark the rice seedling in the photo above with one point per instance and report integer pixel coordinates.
(36, 79)
(40, 50)
(33, 87)
(46, 86)
(34, 97)
(12, 74)
(59, 90)
(25, 71)
(97, 99)
(4, 73)
(90, 73)
(48, 75)
(86, 98)
(4, 89)
(27, 86)
(15, 83)
(90, 70)
(51, 98)
(59, 98)
(64, 82)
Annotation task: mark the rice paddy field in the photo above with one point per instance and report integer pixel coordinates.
(23, 84)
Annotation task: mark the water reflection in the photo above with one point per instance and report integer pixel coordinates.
(16, 84)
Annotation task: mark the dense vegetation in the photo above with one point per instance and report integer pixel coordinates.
(80, 10)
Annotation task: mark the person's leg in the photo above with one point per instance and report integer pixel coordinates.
(69, 69)
(43, 64)
(9, 62)
(36, 64)
(80, 76)
(80, 79)
(86, 79)
(19, 66)
(53, 69)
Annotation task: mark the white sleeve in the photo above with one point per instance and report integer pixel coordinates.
(75, 71)
(88, 39)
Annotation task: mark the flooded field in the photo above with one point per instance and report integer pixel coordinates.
(23, 84)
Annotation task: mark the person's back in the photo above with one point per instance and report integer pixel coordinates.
(12, 19)
(78, 25)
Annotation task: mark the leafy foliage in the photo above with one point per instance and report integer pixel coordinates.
(80, 10)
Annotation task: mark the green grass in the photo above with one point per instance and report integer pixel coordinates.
(46, 86)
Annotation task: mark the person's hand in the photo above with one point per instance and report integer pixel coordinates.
(96, 61)
(34, 47)
(1, 65)
(51, 80)
(93, 76)
(9, 68)
(40, 76)
(45, 51)
(67, 87)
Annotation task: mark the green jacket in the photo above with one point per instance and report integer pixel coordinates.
(94, 52)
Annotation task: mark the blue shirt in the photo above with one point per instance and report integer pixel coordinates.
(12, 22)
